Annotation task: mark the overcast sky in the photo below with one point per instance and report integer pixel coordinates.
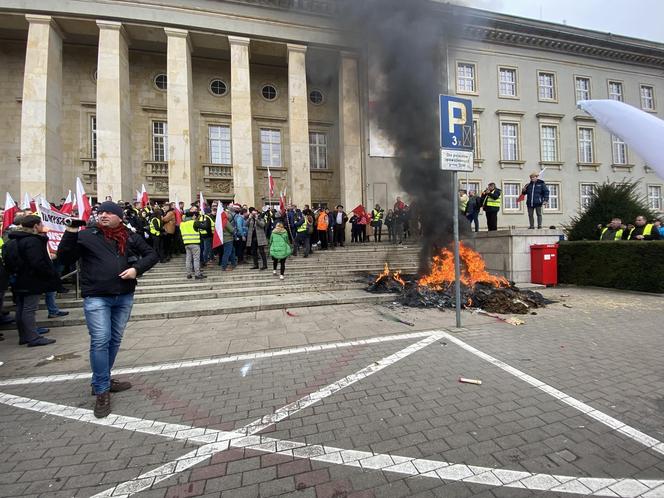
(637, 18)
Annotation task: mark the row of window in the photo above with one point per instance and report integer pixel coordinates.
(510, 144)
(219, 145)
(219, 88)
(547, 87)
(512, 191)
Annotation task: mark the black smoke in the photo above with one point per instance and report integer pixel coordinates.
(408, 41)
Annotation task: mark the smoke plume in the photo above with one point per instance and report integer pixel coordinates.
(407, 40)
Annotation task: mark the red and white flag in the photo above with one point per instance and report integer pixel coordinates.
(82, 201)
(201, 202)
(219, 224)
(28, 203)
(68, 206)
(138, 196)
(282, 201)
(43, 203)
(10, 211)
(145, 198)
(270, 181)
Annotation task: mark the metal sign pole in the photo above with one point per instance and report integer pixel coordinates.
(457, 263)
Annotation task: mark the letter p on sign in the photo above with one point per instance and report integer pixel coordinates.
(453, 119)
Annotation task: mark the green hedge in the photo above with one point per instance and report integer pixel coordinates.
(629, 265)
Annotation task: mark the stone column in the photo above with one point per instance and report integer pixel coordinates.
(41, 111)
(241, 129)
(350, 133)
(298, 126)
(114, 172)
(181, 137)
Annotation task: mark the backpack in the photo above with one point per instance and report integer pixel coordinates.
(11, 258)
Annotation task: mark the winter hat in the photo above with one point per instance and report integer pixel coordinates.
(111, 207)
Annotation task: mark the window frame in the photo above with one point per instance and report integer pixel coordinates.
(554, 86)
(581, 196)
(622, 89)
(153, 136)
(473, 182)
(221, 140)
(519, 205)
(318, 146)
(517, 137)
(592, 145)
(616, 141)
(659, 199)
(559, 209)
(652, 97)
(516, 82)
(92, 130)
(475, 90)
(556, 139)
(578, 77)
(322, 97)
(261, 144)
(276, 92)
(477, 146)
(154, 81)
(212, 80)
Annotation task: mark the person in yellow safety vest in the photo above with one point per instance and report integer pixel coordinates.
(377, 222)
(156, 238)
(302, 223)
(614, 231)
(642, 230)
(207, 231)
(491, 201)
(191, 238)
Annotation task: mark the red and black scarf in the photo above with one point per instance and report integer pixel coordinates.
(119, 234)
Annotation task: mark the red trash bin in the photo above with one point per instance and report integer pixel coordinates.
(544, 264)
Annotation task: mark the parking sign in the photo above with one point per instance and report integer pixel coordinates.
(456, 133)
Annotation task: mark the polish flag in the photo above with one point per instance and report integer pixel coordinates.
(68, 206)
(82, 201)
(282, 201)
(145, 198)
(201, 202)
(219, 224)
(138, 196)
(27, 203)
(10, 211)
(270, 182)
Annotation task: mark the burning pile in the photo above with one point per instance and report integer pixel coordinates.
(479, 289)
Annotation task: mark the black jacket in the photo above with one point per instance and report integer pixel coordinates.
(485, 197)
(631, 234)
(36, 274)
(101, 264)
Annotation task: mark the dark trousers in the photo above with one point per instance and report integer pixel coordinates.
(302, 238)
(339, 235)
(26, 317)
(239, 249)
(158, 246)
(377, 230)
(178, 245)
(282, 263)
(492, 220)
(168, 245)
(322, 236)
(255, 250)
(474, 218)
(531, 217)
(354, 233)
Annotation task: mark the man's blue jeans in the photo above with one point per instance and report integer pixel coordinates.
(206, 250)
(228, 256)
(51, 304)
(106, 318)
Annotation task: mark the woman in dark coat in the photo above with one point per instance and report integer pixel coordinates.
(35, 275)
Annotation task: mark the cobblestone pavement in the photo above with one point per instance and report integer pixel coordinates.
(349, 402)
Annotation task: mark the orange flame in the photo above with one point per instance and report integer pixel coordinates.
(473, 270)
(386, 274)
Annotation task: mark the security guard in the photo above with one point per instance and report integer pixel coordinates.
(377, 222)
(613, 231)
(206, 231)
(191, 238)
(302, 233)
(642, 230)
(491, 200)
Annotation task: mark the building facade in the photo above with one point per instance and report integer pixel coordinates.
(204, 95)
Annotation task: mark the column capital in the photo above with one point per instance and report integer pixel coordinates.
(179, 33)
(238, 40)
(40, 19)
(345, 54)
(296, 48)
(113, 26)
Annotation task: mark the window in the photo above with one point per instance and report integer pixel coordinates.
(615, 90)
(586, 145)
(546, 83)
(466, 78)
(318, 150)
(93, 137)
(159, 141)
(554, 197)
(219, 144)
(477, 152)
(316, 97)
(506, 82)
(218, 88)
(269, 92)
(655, 197)
(511, 192)
(470, 186)
(586, 190)
(549, 143)
(270, 148)
(509, 140)
(619, 150)
(161, 82)
(647, 98)
(582, 85)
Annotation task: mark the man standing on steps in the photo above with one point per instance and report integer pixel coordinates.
(491, 198)
(191, 238)
(112, 258)
(340, 220)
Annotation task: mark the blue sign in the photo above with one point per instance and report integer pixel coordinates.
(456, 123)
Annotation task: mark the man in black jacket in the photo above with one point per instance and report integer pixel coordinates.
(111, 259)
(491, 198)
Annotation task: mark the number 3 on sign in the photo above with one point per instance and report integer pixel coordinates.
(454, 140)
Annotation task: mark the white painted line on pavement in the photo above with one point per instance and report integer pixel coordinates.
(407, 466)
(615, 424)
(246, 434)
(219, 360)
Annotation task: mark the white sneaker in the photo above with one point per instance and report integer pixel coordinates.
(281, 277)
(274, 272)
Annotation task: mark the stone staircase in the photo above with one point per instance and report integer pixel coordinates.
(324, 278)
